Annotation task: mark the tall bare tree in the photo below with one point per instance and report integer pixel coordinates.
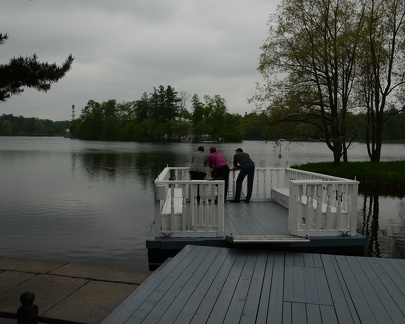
(382, 61)
(308, 65)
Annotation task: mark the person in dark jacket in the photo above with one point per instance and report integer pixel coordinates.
(244, 163)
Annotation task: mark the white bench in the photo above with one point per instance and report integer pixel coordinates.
(282, 195)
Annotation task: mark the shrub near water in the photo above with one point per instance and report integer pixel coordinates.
(381, 175)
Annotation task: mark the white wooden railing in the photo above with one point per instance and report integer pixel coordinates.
(318, 205)
(185, 208)
(321, 205)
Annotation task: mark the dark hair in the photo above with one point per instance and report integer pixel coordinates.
(239, 150)
(201, 148)
(213, 149)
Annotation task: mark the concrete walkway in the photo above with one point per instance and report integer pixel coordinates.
(68, 291)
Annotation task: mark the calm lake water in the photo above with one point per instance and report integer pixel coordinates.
(92, 202)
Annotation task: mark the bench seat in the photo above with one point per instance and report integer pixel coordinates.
(282, 196)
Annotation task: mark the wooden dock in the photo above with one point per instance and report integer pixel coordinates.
(256, 225)
(224, 285)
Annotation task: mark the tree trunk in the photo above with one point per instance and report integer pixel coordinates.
(375, 152)
(337, 153)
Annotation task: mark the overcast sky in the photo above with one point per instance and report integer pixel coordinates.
(123, 48)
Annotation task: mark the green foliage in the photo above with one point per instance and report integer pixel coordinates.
(159, 116)
(383, 175)
(23, 72)
(323, 60)
(11, 125)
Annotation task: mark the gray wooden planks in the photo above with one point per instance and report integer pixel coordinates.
(223, 285)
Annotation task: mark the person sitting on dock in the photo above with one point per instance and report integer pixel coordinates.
(218, 164)
(244, 163)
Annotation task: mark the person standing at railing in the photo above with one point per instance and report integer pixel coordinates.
(199, 162)
(219, 168)
(243, 162)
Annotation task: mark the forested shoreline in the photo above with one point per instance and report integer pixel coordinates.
(131, 121)
(253, 126)
(11, 125)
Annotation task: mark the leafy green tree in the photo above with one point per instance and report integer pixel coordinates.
(126, 133)
(307, 63)
(184, 129)
(91, 121)
(23, 72)
(234, 129)
(39, 127)
(142, 109)
(145, 131)
(164, 104)
(197, 108)
(201, 129)
(216, 106)
(184, 97)
(111, 129)
(125, 111)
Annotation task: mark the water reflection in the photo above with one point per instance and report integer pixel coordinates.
(143, 166)
(381, 219)
(370, 226)
(84, 201)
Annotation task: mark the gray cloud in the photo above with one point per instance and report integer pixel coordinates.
(124, 48)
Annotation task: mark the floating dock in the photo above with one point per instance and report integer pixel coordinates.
(257, 225)
(204, 284)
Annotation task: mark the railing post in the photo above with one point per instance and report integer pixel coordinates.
(27, 313)
(352, 209)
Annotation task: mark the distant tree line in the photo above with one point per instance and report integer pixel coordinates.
(11, 125)
(252, 126)
(159, 116)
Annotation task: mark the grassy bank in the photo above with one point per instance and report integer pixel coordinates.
(382, 175)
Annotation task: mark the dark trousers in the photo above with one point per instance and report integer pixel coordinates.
(195, 175)
(223, 174)
(247, 169)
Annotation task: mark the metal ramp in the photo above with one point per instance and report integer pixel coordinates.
(266, 239)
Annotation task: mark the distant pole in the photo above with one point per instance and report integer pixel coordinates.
(279, 144)
(73, 112)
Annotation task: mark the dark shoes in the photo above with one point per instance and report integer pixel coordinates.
(238, 201)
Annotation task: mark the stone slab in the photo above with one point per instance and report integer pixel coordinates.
(49, 291)
(34, 266)
(94, 272)
(92, 302)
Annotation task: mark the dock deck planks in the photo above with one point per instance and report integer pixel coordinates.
(226, 285)
(255, 225)
(256, 218)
